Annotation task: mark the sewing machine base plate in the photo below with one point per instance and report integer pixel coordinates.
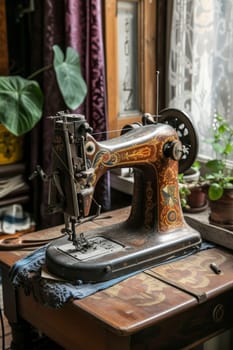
(99, 246)
(120, 252)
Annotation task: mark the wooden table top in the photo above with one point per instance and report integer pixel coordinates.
(153, 295)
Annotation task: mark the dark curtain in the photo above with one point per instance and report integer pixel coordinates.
(76, 23)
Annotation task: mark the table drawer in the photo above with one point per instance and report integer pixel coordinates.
(196, 325)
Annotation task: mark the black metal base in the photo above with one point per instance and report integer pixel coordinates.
(121, 252)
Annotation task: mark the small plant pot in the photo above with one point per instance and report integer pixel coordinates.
(221, 210)
(197, 197)
(11, 147)
(196, 200)
(191, 175)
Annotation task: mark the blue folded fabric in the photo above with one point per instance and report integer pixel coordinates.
(26, 273)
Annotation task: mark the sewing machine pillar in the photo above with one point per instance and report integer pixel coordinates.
(153, 209)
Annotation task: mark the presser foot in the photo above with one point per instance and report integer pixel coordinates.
(116, 252)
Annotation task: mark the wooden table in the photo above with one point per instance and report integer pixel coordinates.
(172, 306)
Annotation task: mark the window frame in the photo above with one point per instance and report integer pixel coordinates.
(146, 58)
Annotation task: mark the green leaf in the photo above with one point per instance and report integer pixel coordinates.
(21, 103)
(70, 81)
(196, 166)
(215, 165)
(228, 149)
(218, 148)
(222, 128)
(215, 191)
(228, 184)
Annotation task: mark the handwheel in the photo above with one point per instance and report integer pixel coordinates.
(181, 122)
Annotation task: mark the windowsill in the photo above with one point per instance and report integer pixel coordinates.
(122, 181)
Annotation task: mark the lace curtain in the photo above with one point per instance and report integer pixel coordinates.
(200, 62)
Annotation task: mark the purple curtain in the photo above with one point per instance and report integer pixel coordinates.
(76, 23)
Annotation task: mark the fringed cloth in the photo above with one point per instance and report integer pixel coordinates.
(26, 273)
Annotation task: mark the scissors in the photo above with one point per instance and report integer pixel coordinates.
(19, 242)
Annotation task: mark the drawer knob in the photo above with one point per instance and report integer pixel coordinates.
(218, 313)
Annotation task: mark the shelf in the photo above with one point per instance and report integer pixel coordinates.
(23, 199)
(12, 169)
(20, 195)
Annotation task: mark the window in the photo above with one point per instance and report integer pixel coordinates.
(130, 60)
(200, 62)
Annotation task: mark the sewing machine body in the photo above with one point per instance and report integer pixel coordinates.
(155, 229)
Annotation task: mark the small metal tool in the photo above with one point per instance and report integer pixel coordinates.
(214, 267)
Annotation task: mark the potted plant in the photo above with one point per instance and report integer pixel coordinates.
(21, 100)
(192, 194)
(219, 176)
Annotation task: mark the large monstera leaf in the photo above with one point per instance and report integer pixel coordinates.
(21, 102)
(68, 73)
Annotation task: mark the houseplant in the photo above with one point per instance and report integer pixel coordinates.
(192, 194)
(219, 175)
(21, 100)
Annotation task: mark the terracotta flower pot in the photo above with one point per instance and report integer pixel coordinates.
(197, 197)
(221, 210)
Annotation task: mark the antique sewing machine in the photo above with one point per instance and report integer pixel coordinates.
(157, 149)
